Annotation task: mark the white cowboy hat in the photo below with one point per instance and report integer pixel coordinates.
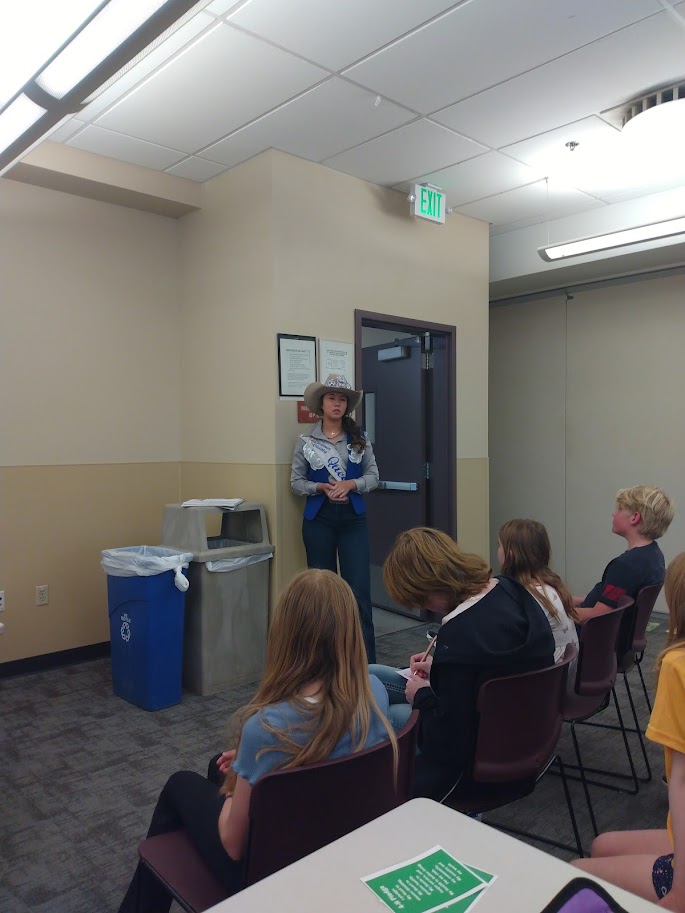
(335, 383)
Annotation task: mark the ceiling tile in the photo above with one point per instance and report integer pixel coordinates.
(417, 148)
(223, 81)
(533, 200)
(62, 133)
(332, 33)
(125, 148)
(480, 44)
(328, 119)
(196, 169)
(543, 150)
(178, 40)
(480, 177)
(588, 81)
(219, 7)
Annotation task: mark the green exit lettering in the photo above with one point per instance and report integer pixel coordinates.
(430, 203)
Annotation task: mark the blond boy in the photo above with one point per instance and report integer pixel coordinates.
(642, 515)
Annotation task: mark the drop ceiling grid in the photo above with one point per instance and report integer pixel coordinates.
(416, 148)
(334, 34)
(538, 199)
(484, 43)
(200, 96)
(325, 120)
(585, 82)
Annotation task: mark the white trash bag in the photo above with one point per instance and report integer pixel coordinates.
(234, 564)
(147, 561)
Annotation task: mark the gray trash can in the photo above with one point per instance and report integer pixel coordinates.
(227, 604)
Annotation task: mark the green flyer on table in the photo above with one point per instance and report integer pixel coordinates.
(435, 880)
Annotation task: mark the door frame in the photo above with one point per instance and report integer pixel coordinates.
(413, 327)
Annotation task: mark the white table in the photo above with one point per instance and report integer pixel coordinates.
(329, 880)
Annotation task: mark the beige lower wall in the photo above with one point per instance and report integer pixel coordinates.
(270, 485)
(55, 522)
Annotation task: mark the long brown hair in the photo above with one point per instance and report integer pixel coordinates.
(674, 591)
(527, 554)
(315, 635)
(424, 561)
(357, 439)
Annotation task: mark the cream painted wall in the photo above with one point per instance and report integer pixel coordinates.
(619, 411)
(283, 245)
(527, 419)
(138, 364)
(341, 244)
(89, 404)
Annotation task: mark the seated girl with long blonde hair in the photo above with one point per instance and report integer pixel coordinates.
(651, 863)
(316, 701)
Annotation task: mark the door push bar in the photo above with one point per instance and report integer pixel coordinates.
(398, 486)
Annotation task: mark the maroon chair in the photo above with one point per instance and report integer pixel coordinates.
(594, 683)
(630, 648)
(520, 718)
(327, 800)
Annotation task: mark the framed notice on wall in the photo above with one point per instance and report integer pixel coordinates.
(296, 363)
(336, 358)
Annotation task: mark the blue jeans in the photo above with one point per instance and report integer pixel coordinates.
(399, 710)
(337, 532)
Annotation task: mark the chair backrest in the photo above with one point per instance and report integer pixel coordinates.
(596, 669)
(644, 601)
(297, 811)
(520, 719)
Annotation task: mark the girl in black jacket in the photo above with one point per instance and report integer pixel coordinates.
(491, 626)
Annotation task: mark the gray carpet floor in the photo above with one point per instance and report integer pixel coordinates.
(81, 770)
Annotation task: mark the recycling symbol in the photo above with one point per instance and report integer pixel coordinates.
(125, 631)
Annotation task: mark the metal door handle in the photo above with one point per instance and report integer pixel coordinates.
(398, 486)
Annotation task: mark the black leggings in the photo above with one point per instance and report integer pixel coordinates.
(194, 803)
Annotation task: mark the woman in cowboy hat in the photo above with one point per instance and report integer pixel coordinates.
(334, 466)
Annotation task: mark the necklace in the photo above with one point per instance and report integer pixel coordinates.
(332, 434)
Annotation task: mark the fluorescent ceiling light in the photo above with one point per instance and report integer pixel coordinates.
(103, 35)
(613, 239)
(31, 33)
(17, 118)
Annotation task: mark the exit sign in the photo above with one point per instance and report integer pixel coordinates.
(428, 203)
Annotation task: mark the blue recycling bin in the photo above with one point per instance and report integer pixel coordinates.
(146, 618)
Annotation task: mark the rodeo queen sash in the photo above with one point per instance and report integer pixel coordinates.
(323, 455)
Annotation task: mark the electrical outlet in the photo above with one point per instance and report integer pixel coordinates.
(2, 600)
(42, 594)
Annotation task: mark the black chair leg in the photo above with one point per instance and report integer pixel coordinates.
(638, 663)
(638, 729)
(569, 805)
(581, 770)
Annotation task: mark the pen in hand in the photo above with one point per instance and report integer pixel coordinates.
(420, 673)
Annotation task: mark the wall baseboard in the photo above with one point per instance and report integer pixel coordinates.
(54, 660)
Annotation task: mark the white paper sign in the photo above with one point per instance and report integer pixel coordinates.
(336, 358)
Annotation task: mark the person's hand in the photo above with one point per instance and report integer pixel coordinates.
(324, 488)
(339, 491)
(419, 666)
(412, 686)
(226, 758)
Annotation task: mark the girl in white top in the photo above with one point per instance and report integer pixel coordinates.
(524, 553)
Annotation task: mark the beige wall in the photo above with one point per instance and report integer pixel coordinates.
(138, 364)
(586, 398)
(89, 394)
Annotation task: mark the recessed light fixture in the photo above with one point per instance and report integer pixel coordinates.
(623, 238)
